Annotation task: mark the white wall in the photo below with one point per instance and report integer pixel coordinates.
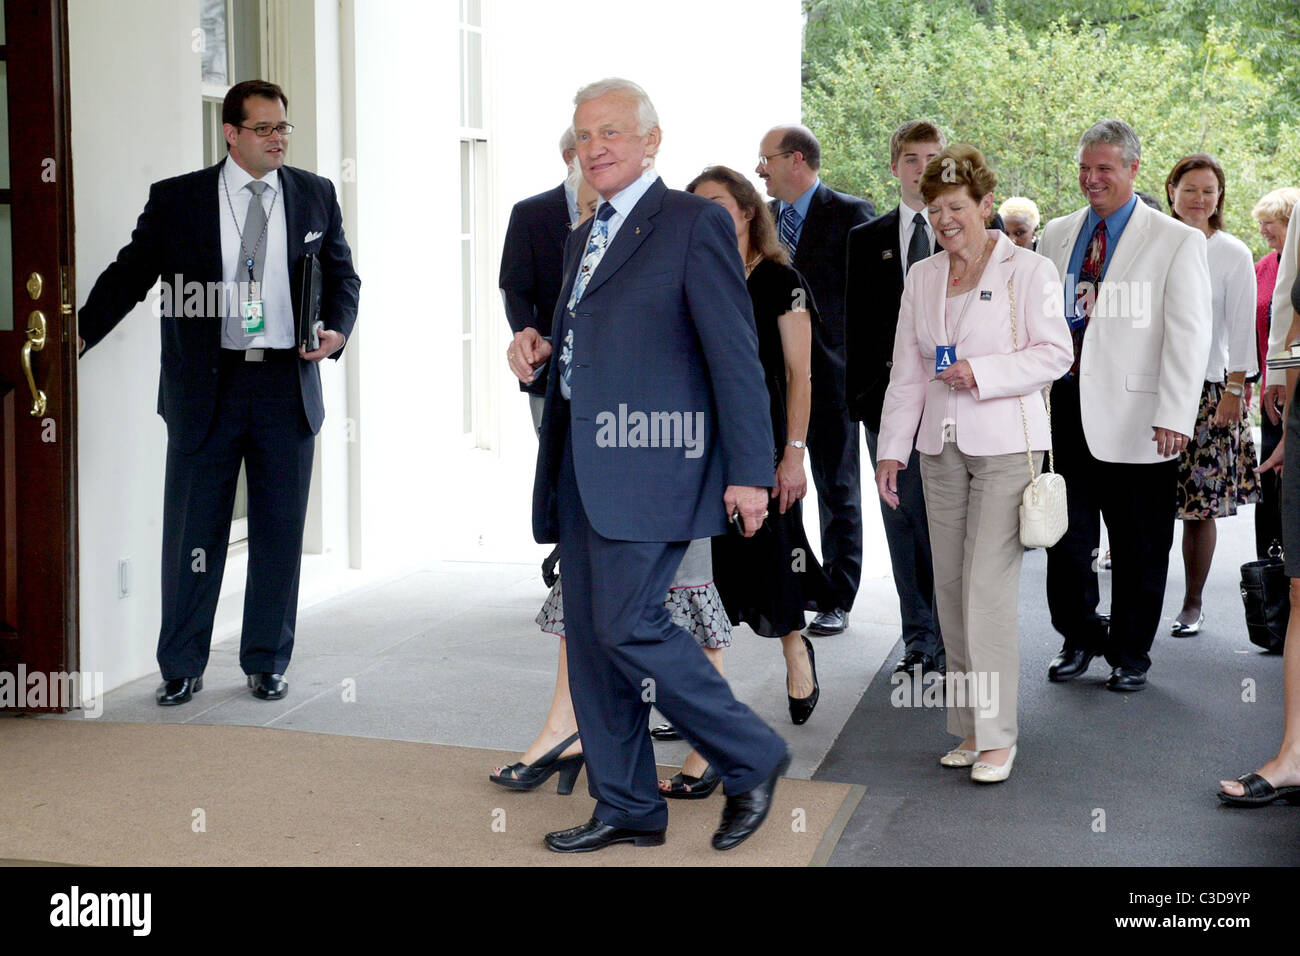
(715, 97)
(408, 489)
(135, 119)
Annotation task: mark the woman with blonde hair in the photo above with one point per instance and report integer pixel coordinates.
(1020, 217)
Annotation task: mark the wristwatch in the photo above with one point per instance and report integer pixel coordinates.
(796, 444)
(1234, 388)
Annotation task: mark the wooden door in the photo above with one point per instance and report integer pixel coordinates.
(38, 454)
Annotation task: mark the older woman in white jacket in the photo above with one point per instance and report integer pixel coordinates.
(981, 332)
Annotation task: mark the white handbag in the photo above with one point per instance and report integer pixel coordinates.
(1044, 514)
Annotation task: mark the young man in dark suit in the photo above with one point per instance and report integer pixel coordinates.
(880, 253)
(532, 263)
(235, 385)
(656, 430)
(814, 222)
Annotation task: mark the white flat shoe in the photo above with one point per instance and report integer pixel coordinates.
(1187, 630)
(988, 773)
(959, 758)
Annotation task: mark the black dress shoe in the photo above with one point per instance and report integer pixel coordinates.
(829, 622)
(1069, 664)
(594, 835)
(665, 732)
(745, 812)
(178, 690)
(268, 686)
(801, 708)
(1126, 678)
(912, 659)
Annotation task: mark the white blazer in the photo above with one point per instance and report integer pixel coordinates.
(1148, 341)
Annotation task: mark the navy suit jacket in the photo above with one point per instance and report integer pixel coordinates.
(873, 291)
(532, 265)
(820, 258)
(665, 329)
(178, 239)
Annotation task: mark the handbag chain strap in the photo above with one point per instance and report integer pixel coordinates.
(1047, 397)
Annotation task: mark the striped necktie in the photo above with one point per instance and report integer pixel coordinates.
(788, 228)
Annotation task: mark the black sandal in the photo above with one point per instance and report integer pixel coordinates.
(1259, 792)
(530, 776)
(683, 786)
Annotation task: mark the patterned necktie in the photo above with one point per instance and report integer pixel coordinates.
(1085, 291)
(787, 227)
(919, 247)
(596, 245)
(252, 245)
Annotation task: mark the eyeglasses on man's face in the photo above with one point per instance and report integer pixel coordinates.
(265, 129)
(764, 160)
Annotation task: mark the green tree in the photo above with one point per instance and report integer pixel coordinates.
(1023, 96)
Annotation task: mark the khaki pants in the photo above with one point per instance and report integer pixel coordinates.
(972, 502)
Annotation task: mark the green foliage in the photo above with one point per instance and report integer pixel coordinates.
(1022, 88)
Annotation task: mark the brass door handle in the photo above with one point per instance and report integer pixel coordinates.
(35, 342)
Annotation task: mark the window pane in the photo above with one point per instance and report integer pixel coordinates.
(212, 20)
(4, 125)
(467, 378)
(6, 270)
(466, 186)
(246, 41)
(214, 143)
(474, 80)
(466, 286)
(464, 115)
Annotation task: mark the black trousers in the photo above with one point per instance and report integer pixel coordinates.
(907, 532)
(259, 421)
(625, 653)
(837, 476)
(1268, 513)
(1138, 504)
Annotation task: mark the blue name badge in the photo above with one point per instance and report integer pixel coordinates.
(944, 356)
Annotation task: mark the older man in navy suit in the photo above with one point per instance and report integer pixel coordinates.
(656, 429)
(236, 388)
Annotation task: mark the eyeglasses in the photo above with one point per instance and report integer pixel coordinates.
(764, 160)
(264, 130)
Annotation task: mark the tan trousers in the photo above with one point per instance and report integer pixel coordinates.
(972, 502)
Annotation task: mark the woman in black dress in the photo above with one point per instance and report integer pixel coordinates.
(768, 581)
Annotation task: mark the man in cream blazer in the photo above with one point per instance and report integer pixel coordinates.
(1125, 414)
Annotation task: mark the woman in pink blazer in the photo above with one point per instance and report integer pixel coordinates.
(981, 333)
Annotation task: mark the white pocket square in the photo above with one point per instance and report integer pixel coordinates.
(311, 237)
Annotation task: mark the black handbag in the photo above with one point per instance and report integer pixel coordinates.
(1266, 592)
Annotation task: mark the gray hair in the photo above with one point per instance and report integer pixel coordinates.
(568, 141)
(1112, 132)
(646, 117)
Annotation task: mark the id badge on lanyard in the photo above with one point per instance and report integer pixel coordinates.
(251, 310)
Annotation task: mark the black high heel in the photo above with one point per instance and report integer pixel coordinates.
(530, 776)
(801, 708)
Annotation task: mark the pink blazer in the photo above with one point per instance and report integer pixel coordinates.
(986, 419)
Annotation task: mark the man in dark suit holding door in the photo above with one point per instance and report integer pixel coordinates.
(814, 222)
(880, 253)
(235, 386)
(656, 429)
